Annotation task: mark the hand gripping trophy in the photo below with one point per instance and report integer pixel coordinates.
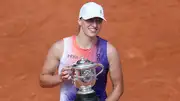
(84, 78)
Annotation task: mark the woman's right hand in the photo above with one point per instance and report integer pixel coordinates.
(66, 73)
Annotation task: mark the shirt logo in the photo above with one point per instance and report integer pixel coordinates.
(72, 56)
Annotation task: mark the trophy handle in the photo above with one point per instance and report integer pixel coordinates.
(102, 68)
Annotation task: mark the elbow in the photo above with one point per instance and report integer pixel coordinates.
(44, 85)
(121, 92)
(42, 81)
(41, 84)
(120, 89)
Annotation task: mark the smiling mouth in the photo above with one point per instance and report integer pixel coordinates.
(93, 29)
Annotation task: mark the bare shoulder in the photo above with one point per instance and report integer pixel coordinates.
(53, 57)
(56, 49)
(112, 52)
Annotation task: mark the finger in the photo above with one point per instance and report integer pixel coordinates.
(68, 68)
(64, 74)
(62, 70)
(69, 78)
(65, 77)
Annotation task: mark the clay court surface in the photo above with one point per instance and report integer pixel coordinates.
(146, 33)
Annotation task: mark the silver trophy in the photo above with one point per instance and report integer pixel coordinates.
(84, 78)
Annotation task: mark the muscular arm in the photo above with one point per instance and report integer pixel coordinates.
(48, 78)
(115, 74)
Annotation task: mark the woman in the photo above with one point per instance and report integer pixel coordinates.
(88, 45)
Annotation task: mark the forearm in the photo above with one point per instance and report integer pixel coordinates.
(47, 80)
(116, 94)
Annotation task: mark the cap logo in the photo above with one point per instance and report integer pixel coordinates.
(101, 12)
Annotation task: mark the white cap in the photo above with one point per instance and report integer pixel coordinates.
(90, 10)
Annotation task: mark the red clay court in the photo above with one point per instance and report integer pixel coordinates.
(146, 33)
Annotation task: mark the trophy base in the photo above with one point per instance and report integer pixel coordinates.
(87, 97)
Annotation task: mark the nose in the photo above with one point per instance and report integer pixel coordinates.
(94, 23)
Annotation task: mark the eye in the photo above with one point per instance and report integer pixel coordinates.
(90, 20)
(96, 20)
(99, 20)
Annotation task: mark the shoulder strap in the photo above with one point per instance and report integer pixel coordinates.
(102, 52)
(67, 44)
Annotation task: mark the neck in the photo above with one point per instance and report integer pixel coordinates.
(84, 41)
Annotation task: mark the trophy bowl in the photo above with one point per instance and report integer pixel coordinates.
(84, 77)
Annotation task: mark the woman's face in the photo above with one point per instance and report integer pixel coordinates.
(91, 27)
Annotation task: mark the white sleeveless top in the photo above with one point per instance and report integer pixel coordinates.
(71, 54)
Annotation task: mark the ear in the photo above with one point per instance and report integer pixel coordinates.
(79, 22)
